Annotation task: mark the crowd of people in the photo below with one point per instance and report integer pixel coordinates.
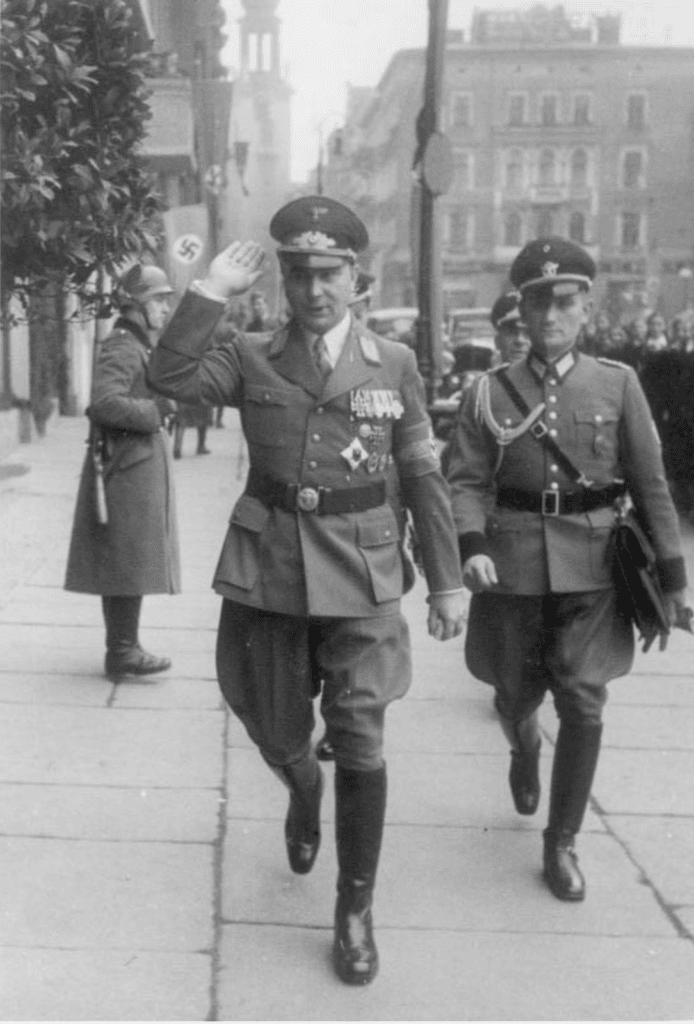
(663, 357)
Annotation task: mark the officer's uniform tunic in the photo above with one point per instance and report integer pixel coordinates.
(555, 568)
(325, 587)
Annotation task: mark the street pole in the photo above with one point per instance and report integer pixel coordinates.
(434, 167)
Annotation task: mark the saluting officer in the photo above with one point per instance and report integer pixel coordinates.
(542, 450)
(312, 568)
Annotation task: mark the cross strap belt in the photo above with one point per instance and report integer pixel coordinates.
(558, 503)
(325, 501)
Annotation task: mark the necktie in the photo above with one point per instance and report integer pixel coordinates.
(320, 356)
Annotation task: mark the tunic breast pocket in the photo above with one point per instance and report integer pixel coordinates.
(596, 428)
(239, 562)
(265, 414)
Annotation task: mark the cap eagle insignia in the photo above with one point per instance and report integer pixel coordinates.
(549, 269)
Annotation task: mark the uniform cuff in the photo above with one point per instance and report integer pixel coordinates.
(470, 544)
(672, 575)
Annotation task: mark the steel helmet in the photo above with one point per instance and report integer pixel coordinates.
(142, 282)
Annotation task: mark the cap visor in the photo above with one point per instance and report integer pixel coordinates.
(313, 260)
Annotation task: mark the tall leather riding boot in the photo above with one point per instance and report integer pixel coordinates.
(179, 430)
(124, 656)
(524, 774)
(360, 807)
(304, 780)
(575, 761)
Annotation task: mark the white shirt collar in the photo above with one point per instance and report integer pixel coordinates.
(335, 338)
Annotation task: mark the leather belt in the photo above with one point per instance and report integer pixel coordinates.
(558, 503)
(323, 501)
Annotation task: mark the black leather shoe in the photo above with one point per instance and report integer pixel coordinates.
(133, 662)
(355, 956)
(324, 750)
(302, 830)
(561, 870)
(524, 779)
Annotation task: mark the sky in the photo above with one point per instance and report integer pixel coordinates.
(326, 44)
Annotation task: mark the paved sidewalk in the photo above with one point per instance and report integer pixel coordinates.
(142, 865)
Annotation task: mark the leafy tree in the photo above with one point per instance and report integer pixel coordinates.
(76, 197)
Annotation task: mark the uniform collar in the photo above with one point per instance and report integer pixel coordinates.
(334, 339)
(367, 343)
(559, 369)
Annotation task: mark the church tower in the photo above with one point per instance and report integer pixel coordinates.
(258, 173)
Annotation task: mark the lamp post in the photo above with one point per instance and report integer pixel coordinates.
(434, 162)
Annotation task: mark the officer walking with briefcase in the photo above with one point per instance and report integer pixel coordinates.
(543, 450)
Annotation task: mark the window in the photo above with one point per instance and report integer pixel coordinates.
(636, 112)
(547, 167)
(514, 171)
(632, 169)
(579, 168)
(516, 109)
(512, 229)
(582, 109)
(459, 227)
(461, 110)
(545, 224)
(577, 228)
(462, 163)
(631, 230)
(548, 110)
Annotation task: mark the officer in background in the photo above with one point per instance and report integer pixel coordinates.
(511, 337)
(130, 547)
(312, 568)
(534, 524)
(363, 294)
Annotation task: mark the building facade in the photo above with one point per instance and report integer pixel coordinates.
(556, 128)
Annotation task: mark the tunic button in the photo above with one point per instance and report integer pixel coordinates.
(508, 422)
(315, 437)
(553, 383)
(266, 397)
(598, 418)
(387, 533)
(553, 432)
(319, 410)
(554, 485)
(552, 399)
(553, 415)
(313, 465)
(554, 468)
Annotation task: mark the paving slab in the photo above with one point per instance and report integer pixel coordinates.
(89, 660)
(168, 693)
(645, 782)
(439, 975)
(654, 690)
(61, 984)
(454, 726)
(663, 847)
(637, 727)
(69, 637)
(129, 747)
(109, 813)
(54, 688)
(76, 894)
(461, 868)
(456, 790)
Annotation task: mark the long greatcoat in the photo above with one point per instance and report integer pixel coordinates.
(365, 421)
(136, 552)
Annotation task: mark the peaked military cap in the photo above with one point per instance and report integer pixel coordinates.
(505, 309)
(556, 262)
(318, 231)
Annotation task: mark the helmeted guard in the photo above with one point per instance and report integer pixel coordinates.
(312, 568)
(129, 546)
(543, 449)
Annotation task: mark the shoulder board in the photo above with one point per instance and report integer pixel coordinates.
(612, 362)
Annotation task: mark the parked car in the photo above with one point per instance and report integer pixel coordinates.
(397, 323)
(471, 339)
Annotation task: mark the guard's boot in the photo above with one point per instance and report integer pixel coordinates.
(304, 780)
(575, 761)
(524, 774)
(124, 655)
(360, 806)
(324, 749)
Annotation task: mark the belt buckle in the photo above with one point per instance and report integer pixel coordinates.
(307, 499)
(550, 503)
